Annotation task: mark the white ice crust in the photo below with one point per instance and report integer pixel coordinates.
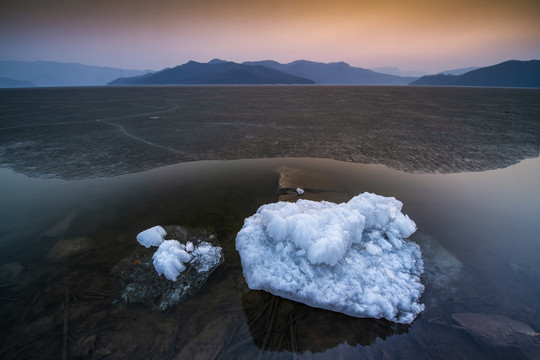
(152, 237)
(169, 259)
(350, 257)
(172, 257)
(205, 256)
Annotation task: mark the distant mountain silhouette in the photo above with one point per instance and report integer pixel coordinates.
(13, 83)
(51, 73)
(214, 72)
(335, 73)
(459, 71)
(392, 70)
(217, 61)
(513, 73)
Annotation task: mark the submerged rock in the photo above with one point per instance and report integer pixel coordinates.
(60, 228)
(500, 331)
(294, 182)
(64, 248)
(441, 269)
(138, 276)
(9, 274)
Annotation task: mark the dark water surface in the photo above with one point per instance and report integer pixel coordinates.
(478, 230)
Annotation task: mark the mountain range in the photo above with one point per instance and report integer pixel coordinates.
(51, 73)
(14, 83)
(456, 71)
(215, 72)
(265, 72)
(511, 73)
(336, 73)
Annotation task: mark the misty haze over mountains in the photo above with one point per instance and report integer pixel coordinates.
(337, 73)
(512, 73)
(396, 71)
(51, 73)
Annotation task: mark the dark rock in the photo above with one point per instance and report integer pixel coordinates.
(137, 281)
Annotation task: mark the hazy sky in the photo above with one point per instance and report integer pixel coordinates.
(428, 35)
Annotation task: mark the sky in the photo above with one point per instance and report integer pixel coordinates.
(420, 35)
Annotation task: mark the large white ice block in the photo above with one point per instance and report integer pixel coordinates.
(351, 257)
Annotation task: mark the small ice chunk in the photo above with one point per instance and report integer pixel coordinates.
(172, 256)
(152, 237)
(169, 259)
(299, 191)
(205, 256)
(350, 257)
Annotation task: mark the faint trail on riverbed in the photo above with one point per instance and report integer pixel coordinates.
(109, 121)
(134, 137)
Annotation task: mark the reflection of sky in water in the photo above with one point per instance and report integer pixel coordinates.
(483, 226)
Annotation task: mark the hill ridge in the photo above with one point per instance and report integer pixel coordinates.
(511, 73)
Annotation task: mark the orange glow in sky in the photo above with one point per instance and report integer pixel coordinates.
(427, 35)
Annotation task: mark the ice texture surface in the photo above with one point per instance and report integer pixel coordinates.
(172, 257)
(205, 256)
(151, 237)
(169, 259)
(351, 257)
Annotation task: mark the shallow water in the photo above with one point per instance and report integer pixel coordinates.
(478, 233)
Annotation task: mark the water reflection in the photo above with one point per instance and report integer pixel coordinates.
(278, 324)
